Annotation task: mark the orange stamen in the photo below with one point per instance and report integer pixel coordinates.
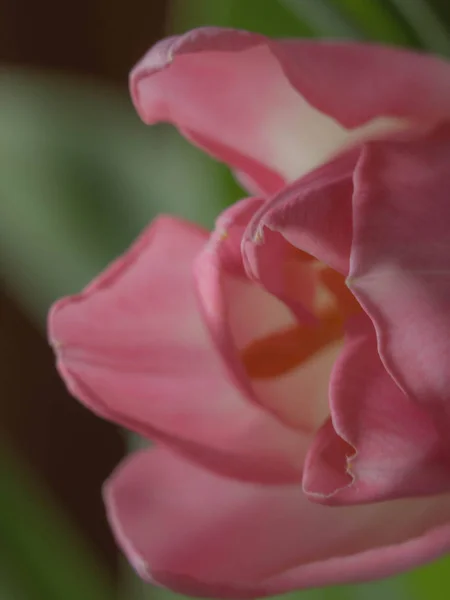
(284, 350)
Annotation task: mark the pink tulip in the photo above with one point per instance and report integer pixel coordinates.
(299, 356)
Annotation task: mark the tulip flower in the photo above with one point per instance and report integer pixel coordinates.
(292, 366)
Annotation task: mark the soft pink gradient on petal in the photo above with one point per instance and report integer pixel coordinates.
(133, 347)
(226, 239)
(202, 534)
(236, 309)
(314, 215)
(287, 274)
(400, 265)
(252, 174)
(240, 311)
(356, 83)
(275, 109)
(382, 445)
(300, 397)
(206, 82)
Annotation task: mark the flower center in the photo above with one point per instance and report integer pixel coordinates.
(280, 352)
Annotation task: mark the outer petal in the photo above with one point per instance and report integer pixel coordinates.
(314, 215)
(383, 445)
(240, 311)
(204, 535)
(206, 83)
(134, 348)
(356, 83)
(274, 110)
(400, 265)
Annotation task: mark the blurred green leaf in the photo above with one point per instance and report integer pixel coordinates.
(442, 10)
(324, 18)
(376, 20)
(269, 18)
(427, 25)
(42, 557)
(80, 176)
(431, 582)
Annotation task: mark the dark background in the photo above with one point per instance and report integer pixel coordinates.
(67, 446)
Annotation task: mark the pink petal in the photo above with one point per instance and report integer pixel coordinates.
(286, 273)
(133, 347)
(401, 262)
(382, 445)
(240, 311)
(300, 397)
(275, 109)
(205, 535)
(356, 83)
(205, 83)
(314, 215)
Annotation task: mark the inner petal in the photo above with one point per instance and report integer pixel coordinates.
(283, 363)
(284, 350)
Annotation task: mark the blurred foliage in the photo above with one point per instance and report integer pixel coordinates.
(79, 177)
(268, 17)
(326, 18)
(414, 23)
(377, 21)
(427, 24)
(354, 19)
(41, 555)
